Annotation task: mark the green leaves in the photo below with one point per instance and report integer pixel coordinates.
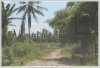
(79, 26)
(7, 11)
(75, 20)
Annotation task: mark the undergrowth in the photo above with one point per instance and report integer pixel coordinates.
(23, 52)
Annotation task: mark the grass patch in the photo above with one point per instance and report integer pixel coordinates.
(23, 52)
(66, 50)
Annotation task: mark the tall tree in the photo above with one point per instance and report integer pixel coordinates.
(78, 23)
(30, 8)
(7, 11)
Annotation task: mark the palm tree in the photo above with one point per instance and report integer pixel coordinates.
(30, 8)
(7, 11)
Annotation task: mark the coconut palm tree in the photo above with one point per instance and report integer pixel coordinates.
(30, 8)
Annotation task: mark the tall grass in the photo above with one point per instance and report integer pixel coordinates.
(23, 52)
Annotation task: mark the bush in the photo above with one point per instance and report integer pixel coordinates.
(7, 56)
(22, 52)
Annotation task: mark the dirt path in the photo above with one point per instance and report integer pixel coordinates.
(53, 59)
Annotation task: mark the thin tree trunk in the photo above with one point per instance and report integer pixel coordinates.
(29, 35)
(29, 24)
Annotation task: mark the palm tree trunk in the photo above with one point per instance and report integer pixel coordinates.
(29, 24)
(29, 35)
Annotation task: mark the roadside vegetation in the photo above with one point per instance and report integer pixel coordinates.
(77, 24)
(75, 33)
(23, 52)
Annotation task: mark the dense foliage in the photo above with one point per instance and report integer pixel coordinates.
(78, 24)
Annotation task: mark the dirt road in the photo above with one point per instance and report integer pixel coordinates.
(53, 59)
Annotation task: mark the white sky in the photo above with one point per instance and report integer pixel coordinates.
(50, 5)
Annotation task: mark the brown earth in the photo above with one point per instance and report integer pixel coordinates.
(53, 59)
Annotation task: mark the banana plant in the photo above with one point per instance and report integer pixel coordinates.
(7, 11)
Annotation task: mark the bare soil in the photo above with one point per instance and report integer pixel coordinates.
(53, 59)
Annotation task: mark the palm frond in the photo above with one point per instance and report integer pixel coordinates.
(22, 2)
(3, 6)
(11, 9)
(39, 7)
(34, 16)
(38, 12)
(21, 8)
(14, 18)
(34, 2)
(8, 7)
(14, 10)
